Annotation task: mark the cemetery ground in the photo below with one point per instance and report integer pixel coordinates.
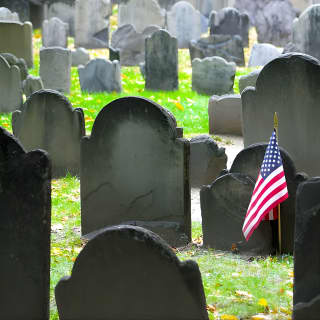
(236, 287)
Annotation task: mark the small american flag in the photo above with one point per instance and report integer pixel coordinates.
(269, 191)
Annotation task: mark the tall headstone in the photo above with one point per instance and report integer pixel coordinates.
(230, 21)
(100, 75)
(47, 121)
(132, 267)
(263, 53)
(55, 68)
(184, 23)
(55, 33)
(10, 87)
(161, 66)
(16, 38)
(134, 170)
(141, 13)
(25, 206)
(7, 15)
(21, 7)
(287, 85)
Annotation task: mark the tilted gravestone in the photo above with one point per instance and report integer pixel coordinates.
(100, 75)
(134, 170)
(306, 293)
(248, 80)
(25, 206)
(227, 47)
(31, 84)
(161, 68)
(10, 87)
(132, 267)
(224, 205)
(130, 44)
(184, 23)
(207, 160)
(230, 21)
(55, 33)
(92, 23)
(7, 15)
(55, 68)
(287, 85)
(262, 53)
(141, 14)
(80, 56)
(16, 38)
(47, 121)
(213, 75)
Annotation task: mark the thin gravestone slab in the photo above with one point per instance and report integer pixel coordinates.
(47, 121)
(55, 33)
(134, 170)
(25, 213)
(132, 267)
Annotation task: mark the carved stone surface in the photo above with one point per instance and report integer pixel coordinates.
(19, 62)
(55, 33)
(248, 80)
(21, 7)
(32, 84)
(80, 56)
(263, 53)
(7, 15)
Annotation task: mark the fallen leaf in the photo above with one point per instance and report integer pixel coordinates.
(228, 317)
(243, 294)
(260, 317)
(179, 106)
(211, 308)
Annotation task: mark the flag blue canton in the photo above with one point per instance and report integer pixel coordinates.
(272, 158)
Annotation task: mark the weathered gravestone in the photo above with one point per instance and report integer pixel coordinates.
(25, 206)
(230, 21)
(225, 114)
(131, 44)
(224, 205)
(248, 80)
(79, 56)
(184, 23)
(55, 33)
(92, 23)
(100, 75)
(287, 85)
(141, 14)
(21, 7)
(227, 47)
(132, 267)
(306, 292)
(161, 66)
(47, 121)
(134, 170)
(55, 68)
(10, 87)
(7, 15)
(31, 84)
(207, 160)
(262, 53)
(20, 63)
(16, 38)
(213, 75)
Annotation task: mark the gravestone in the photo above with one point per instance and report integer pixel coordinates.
(7, 15)
(10, 87)
(20, 63)
(225, 202)
(79, 56)
(248, 80)
(288, 86)
(306, 293)
(213, 75)
(262, 53)
(184, 23)
(131, 44)
(134, 170)
(16, 38)
(227, 47)
(55, 33)
(161, 68)
(141, 14)
(229, 21)
(21, 7)
(225, 114)
(31, 84)
(100, 75)
(167, 288)
(47, 121)
(55, 68)
(92, 23)
(25, 206)
(207, 160)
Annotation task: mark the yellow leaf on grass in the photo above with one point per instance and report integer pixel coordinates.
(179, 106)
(260, 317)
(211, 308)
(228, 317)
(291, 274)
(243, 294)
(286, 311)
(263, 302)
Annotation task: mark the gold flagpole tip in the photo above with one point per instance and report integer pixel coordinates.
(275, 121)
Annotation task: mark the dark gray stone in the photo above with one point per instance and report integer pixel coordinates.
(227, 47)
(306, 252)
(25, 206)
(100, 75)
(229, 21)
(16, 38)
(207, 160)
(55, 33)
(161, 67)
(249, 80)
(134, 170)
(132, 267)
(47, 121)
(114, 54)
(80, 56)
(20, 63)
(20, 6)
(287, 85)
(37, 13)
(263, 53)
(31, 85)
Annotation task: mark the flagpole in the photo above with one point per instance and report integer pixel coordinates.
(275, 125)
